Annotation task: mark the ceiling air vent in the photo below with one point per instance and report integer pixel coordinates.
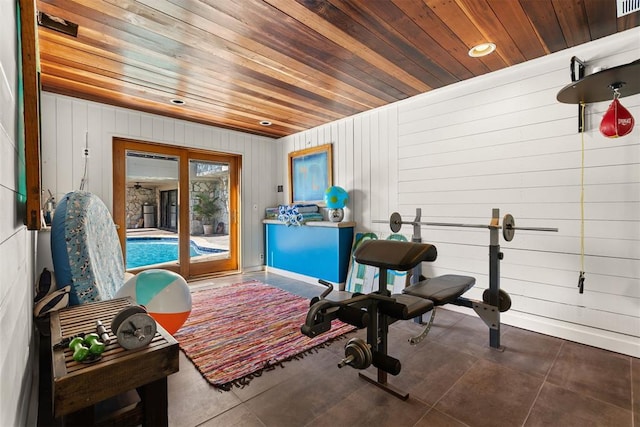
(626, 7)
(58, 24)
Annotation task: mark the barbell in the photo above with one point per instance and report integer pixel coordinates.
(508, 225)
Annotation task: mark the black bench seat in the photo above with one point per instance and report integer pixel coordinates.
(442, 289)
(422, 297)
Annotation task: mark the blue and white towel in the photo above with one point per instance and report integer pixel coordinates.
(298, 214)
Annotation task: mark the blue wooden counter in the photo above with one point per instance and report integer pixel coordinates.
(319, 249)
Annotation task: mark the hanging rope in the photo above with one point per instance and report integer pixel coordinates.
(581, 278)
(83, 181)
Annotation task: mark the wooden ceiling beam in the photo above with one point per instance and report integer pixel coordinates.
(213, 48)
(199, 87)
(136, 99)
(573, 21)
(94, 88)
(336, 35)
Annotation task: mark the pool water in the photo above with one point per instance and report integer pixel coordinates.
(143, 251)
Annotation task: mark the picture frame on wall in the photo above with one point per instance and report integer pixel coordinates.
(28, 203)
(310, 173)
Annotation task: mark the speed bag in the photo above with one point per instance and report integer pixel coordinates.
(617, 121)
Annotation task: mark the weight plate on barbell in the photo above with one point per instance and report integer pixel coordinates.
(133, 327)
(136, 331)
(123, 314)
(508, 227)
(395, 222)
(504, 300)
(359, 352)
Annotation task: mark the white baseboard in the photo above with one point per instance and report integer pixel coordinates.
(301, 277)
(606, 340)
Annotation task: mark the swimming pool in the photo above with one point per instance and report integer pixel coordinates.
(143, 251)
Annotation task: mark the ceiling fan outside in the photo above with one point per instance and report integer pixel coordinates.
(138, 186)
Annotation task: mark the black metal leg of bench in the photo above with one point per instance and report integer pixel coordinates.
(494, 286)
(385, 386)
(381, 328)
(377, 338)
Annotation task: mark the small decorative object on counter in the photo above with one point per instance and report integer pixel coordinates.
(336, 198)
(271, 213)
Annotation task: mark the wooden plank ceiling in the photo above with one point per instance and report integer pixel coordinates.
(297, 64)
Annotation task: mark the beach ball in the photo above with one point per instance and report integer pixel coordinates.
(164, 294)
(336, 197)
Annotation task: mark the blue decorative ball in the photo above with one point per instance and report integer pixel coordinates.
(336, 197)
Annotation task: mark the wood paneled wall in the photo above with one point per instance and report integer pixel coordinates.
(69, 123)
(503, 141)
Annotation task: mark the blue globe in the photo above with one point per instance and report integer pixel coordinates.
(336, 197)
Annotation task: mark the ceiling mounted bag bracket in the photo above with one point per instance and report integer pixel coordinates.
(577, 67)
(577, 72)
(599, 86)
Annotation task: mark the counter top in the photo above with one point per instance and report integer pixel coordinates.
(343, 224)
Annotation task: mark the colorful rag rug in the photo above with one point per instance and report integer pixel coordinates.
(236, 332)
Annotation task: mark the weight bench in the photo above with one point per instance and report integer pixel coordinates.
(422, 297)
(377, 310)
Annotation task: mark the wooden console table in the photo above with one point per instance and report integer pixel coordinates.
(77, 387)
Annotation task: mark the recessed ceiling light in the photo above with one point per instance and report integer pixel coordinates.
(482, 50)
(177, 101)
(265, 123)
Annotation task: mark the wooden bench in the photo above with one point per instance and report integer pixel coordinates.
(78, 387)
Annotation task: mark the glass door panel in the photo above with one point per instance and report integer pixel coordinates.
(213, 201)
(209, 214)
(151, 207)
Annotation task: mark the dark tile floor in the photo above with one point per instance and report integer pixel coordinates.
(454, 379)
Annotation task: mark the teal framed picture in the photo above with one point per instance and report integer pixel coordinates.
(310, 173)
